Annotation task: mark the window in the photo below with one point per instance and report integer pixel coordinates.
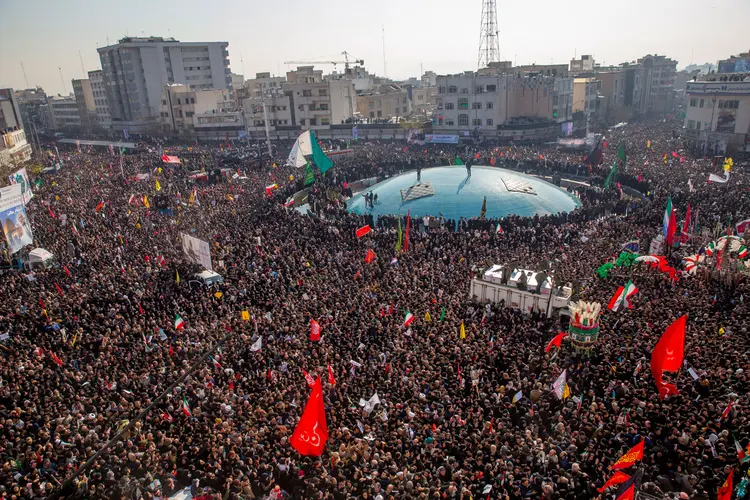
(489, 121)
(325, 121)
(164, 102)
(707, 126)
(179, 101)
(307, 93)
(372, 114)
(452, 89)
(691, 124)
(463, 120)
(403, 110)
(464, 91)
(450, 105)
(476, 105)
(702, 100)
(380, 114)
(479, 89)
(420, 97)
(490, 104)
(301, 107)
(379, 104)
(323, 92)
(463, 103)
(371, 104)
(477, 122)
(323, 107)
(179, 113)
(491, 88)
(441, 90)
(313, 121)
(698, 125)
(449, 122)
(189, 114)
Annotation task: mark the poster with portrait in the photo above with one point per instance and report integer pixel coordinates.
(16, 225)
(198, 251)
(22, 178)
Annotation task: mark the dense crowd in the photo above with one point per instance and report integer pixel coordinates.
(447, 425)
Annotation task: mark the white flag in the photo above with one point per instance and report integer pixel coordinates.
(257, 345)
(559, 385)
(370, 405)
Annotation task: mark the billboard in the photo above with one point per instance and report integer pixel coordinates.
(198, 251)
(440, 139)
(16, 225)
(22, 178)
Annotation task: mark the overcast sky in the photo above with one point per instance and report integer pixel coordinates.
(439, 35)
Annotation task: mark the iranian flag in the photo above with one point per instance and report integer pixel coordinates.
(407, 319)
(186, 407)
(622, 297)
(178, 323)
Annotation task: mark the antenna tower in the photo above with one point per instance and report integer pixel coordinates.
(489, 47)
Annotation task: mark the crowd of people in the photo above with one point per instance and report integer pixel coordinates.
(102, 396)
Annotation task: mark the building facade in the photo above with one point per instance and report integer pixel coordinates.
(659, 73)
(423, 101)
(14, 149)
(389, 102)
(717, 118)
(583, 65)
(137, 69)
(84, 97)
(65, 115)
(278, 113)
(612, 91)
(200, 113)
(316, 103)
(103, 119)
(735, 64)
(264, 84)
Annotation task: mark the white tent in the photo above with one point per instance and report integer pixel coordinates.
(302, 147)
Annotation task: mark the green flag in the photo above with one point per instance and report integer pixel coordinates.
(621, 153)
(458, 161)
(400, 235)
(610, 176)
(442, 314)
(309, 174)
(318, 156)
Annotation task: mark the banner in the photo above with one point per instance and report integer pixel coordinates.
(22, 178)
(355, 133)
(198, 251)
(440, 139)
(16, 226)
(170, 159)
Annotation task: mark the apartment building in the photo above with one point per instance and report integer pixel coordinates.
(84, 97)
(201, 113)
(98, 89)
(389, 102)
(136, 69)
(264, 84)
(14, 149)
(717, 119)
(316, 103)
(278, 113)
(65, 113)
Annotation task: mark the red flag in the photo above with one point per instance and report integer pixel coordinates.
(631, 457)
(726, 411)
(370, 255)
(55, 358)
(167, 417)
(311, 433)
(408, 226)
(667, 355)
(725, 492)
(51, 214)
(59, 290)
(363, 231)
(617, 478)
(675, 155)
(67, 271)
(357, 274)
(99, 206)
(671, 228)
(41, 304)
(331, 380)
(231, 385)
(171, 350)
(626, 491)
(557, 341)
(308, 378)
(314, 330)
(640, 177)
(140, 308)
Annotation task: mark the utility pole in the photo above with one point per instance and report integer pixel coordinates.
(268, 131)
(385, 70)
(82, 68)
(65, 88)
(24, 75)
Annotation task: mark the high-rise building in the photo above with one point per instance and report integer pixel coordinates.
(659, 76)
(103, 120)
(137, 69)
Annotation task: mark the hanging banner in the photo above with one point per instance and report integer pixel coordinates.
(170, 159)
(22, 178)
(16, 226)
(198, 251)
(440, 139)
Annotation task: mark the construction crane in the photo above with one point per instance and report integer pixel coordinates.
(345, 62)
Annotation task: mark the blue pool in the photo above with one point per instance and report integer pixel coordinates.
(456, 195)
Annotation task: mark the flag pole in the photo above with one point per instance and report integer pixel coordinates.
(122, 172)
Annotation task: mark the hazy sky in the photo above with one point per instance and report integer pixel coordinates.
(442, 35)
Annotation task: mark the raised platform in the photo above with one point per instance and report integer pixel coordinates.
(417, 191)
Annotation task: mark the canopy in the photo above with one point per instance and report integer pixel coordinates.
(39, 255)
